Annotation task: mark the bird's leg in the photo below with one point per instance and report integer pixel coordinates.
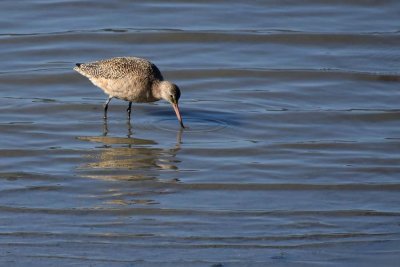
(106, 106)
(129, 109)
(105, 127)
(129, 125)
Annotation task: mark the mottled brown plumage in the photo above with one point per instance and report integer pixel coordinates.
(131, 79)
(119, 67)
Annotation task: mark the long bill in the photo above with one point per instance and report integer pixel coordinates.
(178, 114)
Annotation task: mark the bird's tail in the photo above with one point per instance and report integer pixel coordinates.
(77, 68)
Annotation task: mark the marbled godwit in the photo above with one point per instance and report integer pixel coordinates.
(131, 79)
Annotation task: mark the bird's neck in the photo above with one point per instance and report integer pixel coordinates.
(156, 90)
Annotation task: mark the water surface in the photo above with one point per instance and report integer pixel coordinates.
(291, 156)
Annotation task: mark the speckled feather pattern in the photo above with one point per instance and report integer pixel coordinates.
(126, 78)
(131, 79)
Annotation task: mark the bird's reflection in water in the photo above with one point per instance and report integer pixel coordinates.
(128, 125)
(129, 158)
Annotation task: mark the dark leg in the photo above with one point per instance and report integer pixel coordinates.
(129, 125)
(106, 106)
(105, 127)
(129, 109)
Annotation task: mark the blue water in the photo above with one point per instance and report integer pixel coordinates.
(290, 157)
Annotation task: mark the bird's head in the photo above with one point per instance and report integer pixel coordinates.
(171, 93)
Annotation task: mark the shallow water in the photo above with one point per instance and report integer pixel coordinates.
(290, 158)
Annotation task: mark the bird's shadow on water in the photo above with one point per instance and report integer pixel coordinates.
(129, 158)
